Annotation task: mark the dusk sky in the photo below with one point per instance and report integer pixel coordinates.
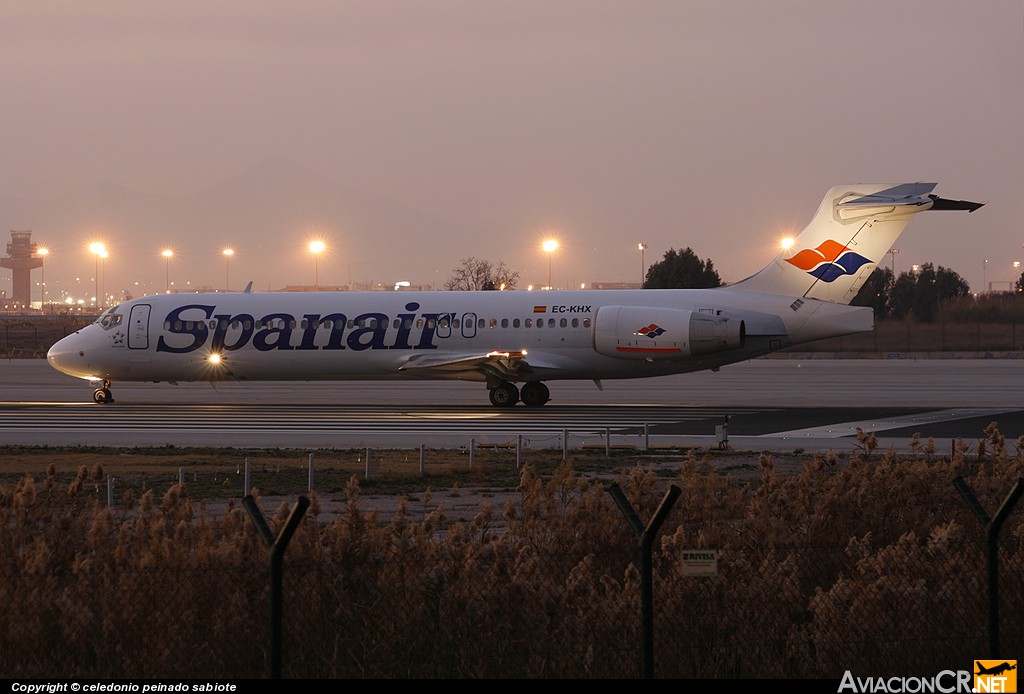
(713, 125)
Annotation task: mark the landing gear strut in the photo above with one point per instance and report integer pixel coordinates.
(103, 395)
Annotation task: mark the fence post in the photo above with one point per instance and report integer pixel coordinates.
(247, 490)
(277, 546)
(110, 492)
(519, 451)
(607, 442)
(369, 454)
(423, 458)
(472, 451)
(992, 527)
(309, 483)
(647, 536)
(565, 445)
(647, 437)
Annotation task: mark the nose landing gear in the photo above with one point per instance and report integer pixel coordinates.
(103, 395)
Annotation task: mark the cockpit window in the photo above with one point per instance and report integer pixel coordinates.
(110, 319)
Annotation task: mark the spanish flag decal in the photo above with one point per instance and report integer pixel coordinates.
(540, 309)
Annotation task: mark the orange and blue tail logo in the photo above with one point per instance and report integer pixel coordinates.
(829, 261)
(652, 331)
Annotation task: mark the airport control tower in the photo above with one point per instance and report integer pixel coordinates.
(20, 260)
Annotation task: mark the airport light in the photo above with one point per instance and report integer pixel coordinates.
(643, 265)
(549, 246)
(167, 253)
(42, 253)
(787, 243)
(228, 252)
(316, 248)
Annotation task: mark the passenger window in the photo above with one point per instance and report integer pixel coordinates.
(586, 322)
(529, 322)
(504, 322)
(419, 322)
(494, 323)
(515, 322)
(575, 322)
(563, 323)
(481, 323)
(455, 323)
(430, 323)
(551, 322)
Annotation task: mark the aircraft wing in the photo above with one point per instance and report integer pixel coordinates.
(508, 366)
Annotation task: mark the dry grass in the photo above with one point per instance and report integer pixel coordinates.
(865, 562)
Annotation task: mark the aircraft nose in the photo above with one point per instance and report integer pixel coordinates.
(67, 355)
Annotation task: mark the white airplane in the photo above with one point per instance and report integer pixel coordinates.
(511, 337)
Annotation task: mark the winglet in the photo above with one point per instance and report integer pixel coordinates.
(248, 288)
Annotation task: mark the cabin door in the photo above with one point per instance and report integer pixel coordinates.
(138, 327)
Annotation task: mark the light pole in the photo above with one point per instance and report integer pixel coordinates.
(984, 276)
(643, 265)
(894, 252)
(42, 253)
(228, 252)
(103, 275)
(97, 249)
(549, 246)
(167, 253)
(316, 248)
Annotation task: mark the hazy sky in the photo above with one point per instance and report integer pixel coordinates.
(710, 124)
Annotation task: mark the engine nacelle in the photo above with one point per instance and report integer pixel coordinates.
(639, 332)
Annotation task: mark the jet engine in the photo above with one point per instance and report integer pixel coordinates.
(639, 332)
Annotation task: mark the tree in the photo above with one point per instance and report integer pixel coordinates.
(919, 294)
(473, 274)
(681, 270)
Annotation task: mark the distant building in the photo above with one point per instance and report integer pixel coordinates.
(312, 288)
(21, 262)
(615, 285)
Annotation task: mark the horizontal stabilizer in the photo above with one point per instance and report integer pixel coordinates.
(944, 204)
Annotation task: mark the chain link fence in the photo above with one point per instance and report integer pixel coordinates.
(877, 568)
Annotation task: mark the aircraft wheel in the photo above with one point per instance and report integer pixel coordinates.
(535, 394)
(505, 395)
(102, 396)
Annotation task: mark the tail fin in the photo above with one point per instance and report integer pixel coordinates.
(853, 229)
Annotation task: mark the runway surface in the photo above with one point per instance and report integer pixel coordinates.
(777, 404)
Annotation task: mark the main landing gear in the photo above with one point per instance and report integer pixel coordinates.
(533, 394)
(102, 395)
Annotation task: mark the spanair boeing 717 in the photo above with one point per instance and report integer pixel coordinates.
(514, 342)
